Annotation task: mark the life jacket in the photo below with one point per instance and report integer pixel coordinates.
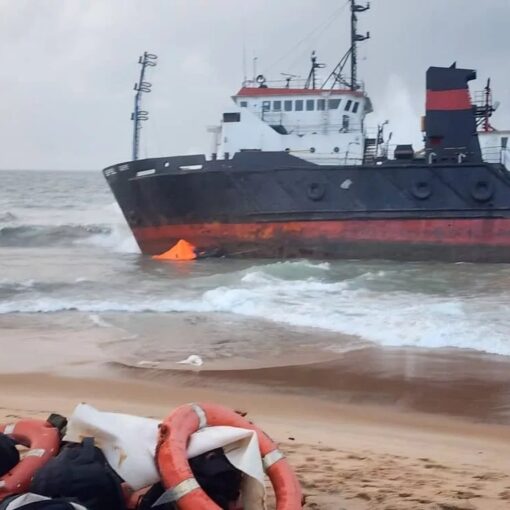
(80, 471)
(9, 455)
(31, 501)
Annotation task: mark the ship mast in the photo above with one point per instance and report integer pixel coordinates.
(355, 39)
(139, 115)
(337, 76)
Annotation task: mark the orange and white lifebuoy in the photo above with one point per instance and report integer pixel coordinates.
(176, 474)
(43, 441)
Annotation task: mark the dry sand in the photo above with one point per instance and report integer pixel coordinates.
(347, 456)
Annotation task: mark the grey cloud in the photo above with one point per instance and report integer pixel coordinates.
(68, 66)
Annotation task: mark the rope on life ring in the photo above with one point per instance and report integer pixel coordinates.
(43, 440)
(482, 190)
(171, 457)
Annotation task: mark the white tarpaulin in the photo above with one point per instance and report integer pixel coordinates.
(129, 444)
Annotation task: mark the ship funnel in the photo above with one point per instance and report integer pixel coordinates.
(450, 122)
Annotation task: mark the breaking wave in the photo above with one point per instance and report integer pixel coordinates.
(304, 294)
(48, 235)
(7, 217)
(51, 231)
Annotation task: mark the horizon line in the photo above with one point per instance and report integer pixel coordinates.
(50, 170)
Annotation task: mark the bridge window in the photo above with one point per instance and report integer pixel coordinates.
(310, 105)
(348, 105)
(266, 106)
(321, 104)
(277, 106)
(355, 107)
(333, 104)
(504, 142)
(299, 105)
(232, 117)
(243, 104)
(287, 105)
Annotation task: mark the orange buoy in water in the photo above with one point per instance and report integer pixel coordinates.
(180, 251)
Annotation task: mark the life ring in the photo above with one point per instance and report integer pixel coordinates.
(482, 191)
(316, 191)
(175, 471)
(43, 440)
(422, 190)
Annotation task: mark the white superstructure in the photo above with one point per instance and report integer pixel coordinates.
(495, 146)
(319, 125)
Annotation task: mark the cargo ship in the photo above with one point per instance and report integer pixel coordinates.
(295, 172)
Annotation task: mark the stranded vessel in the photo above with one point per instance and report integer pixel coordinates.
(296, 173)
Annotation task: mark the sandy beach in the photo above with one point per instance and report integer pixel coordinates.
(386, 384)
(369, 428)
(347, 455)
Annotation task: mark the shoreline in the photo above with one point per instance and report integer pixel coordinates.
(453, 382)
(347, 455)
(366, 428)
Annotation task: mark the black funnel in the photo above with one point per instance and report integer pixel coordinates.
(450, 121)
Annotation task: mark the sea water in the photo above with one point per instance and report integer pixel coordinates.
(68, 261)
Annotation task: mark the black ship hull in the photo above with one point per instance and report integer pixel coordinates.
(262, 204)
(450, 205)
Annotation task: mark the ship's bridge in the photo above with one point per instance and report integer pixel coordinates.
(306, 109)
(321, 125)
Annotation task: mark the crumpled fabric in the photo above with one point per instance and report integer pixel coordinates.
(129, 444)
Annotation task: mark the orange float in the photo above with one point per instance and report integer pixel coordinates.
(176, 474)
(182, 250)
(43, 441)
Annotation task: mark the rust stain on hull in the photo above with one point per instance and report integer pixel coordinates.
(415, 239)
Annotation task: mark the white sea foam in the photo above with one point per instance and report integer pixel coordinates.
(119, 239)
(100, 226)
(99, 321)
(393, 318)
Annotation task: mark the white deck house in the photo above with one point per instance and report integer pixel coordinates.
(495, 146)
(322, 126)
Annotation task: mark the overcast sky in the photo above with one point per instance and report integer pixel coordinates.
(67, 67)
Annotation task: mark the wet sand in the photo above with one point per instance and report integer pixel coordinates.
(458, 383)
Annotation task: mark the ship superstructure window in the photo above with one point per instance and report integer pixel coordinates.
(266, 106)
(277, 106)
(243, 104)
(321, 104)
(345, 123)
(504, 142)
(355, 107)
(310, 105)
(232, 117)
(333, 104)
(348, 105)
(287, 106)
(299, 105)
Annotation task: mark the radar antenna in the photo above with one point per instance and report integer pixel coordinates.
(139, 115)
(484, 108)
(288, 78)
